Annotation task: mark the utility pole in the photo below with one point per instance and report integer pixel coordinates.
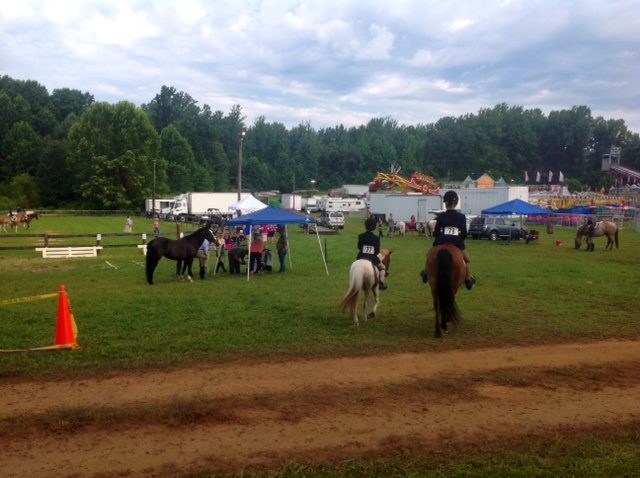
(242, 133)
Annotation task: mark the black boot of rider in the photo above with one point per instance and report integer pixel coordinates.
(202, 272)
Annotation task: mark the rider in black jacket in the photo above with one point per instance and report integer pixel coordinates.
(369, 248)
(451, 228)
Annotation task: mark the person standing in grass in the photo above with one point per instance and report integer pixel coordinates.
(282, 246)
(128, 226)
(156, 226)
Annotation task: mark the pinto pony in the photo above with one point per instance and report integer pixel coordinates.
(446, 272)
(364, 276)
(600, 228)
(182, 250)
(10, 221)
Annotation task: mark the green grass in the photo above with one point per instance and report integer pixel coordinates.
(526, 294)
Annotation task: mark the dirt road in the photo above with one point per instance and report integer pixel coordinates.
(234, 416)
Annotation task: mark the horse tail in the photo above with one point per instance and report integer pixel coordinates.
(444, 288)
(350, 300)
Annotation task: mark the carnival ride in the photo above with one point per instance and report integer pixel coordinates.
(417, 182)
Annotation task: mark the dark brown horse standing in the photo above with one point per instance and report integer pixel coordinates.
(446, 271)
(182, 250)
(600, 228)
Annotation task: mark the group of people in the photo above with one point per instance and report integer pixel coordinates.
(234, 247)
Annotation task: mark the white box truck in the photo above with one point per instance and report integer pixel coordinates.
(161, 204)
(191, 206)
(403, 206)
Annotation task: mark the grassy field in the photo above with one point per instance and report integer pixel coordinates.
(526, 294)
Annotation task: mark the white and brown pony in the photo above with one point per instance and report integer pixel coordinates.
(600, 228)
(430, 227)
(10, 221)
(364, 276)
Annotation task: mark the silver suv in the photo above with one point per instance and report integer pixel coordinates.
(332, 219)
(494, 228)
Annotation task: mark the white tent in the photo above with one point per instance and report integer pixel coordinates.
(247, 205)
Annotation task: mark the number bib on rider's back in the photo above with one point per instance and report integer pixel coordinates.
(451, 231)
(368, 249)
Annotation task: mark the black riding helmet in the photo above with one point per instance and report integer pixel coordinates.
(370, 224)
(450, 198)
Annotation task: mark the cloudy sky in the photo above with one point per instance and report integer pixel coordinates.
(331, 62)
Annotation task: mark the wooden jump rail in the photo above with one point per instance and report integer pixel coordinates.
(69, 252)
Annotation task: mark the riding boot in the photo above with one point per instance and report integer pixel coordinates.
(202, 272)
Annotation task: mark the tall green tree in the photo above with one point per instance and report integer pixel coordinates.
(111, 154)
(181, 165)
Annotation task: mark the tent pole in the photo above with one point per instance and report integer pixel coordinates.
(288, 248)
(321, 251)
(250, 241)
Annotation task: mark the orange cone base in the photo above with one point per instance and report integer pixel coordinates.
(66, 330)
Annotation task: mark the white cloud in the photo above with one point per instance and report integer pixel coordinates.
(335, 61)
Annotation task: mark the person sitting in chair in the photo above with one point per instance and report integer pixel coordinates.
(451, 228)
(369, 248)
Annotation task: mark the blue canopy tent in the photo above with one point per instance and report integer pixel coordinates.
(516, 207)
(270, 215)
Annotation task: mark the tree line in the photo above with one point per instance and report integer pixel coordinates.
(64, 149)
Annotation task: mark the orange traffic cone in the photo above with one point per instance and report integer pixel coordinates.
(66, 330)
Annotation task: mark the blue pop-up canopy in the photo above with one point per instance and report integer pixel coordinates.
(270, 215)
(516, 207)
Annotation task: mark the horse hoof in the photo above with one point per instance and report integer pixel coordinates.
(372, 315)
(190, 279)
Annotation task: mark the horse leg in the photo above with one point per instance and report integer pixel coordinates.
(376, 297)
(365, 305)
(187, 266)
(179, 270)
(436, 309)
(354, 310)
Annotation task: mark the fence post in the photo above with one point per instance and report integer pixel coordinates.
(177, 230)
(46, 240)
(98, 239)
(144, 237)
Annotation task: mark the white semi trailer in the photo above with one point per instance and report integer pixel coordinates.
(191, 206)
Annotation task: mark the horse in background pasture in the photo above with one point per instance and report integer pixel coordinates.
(600, 228)
(25, 217)
(364, 276)
(10, 221)
(446, 272)
(182, 250)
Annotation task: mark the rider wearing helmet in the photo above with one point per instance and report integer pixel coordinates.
(369, 248)
(451, 228)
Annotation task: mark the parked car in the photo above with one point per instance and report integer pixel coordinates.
(494, 228)
(332, 219)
